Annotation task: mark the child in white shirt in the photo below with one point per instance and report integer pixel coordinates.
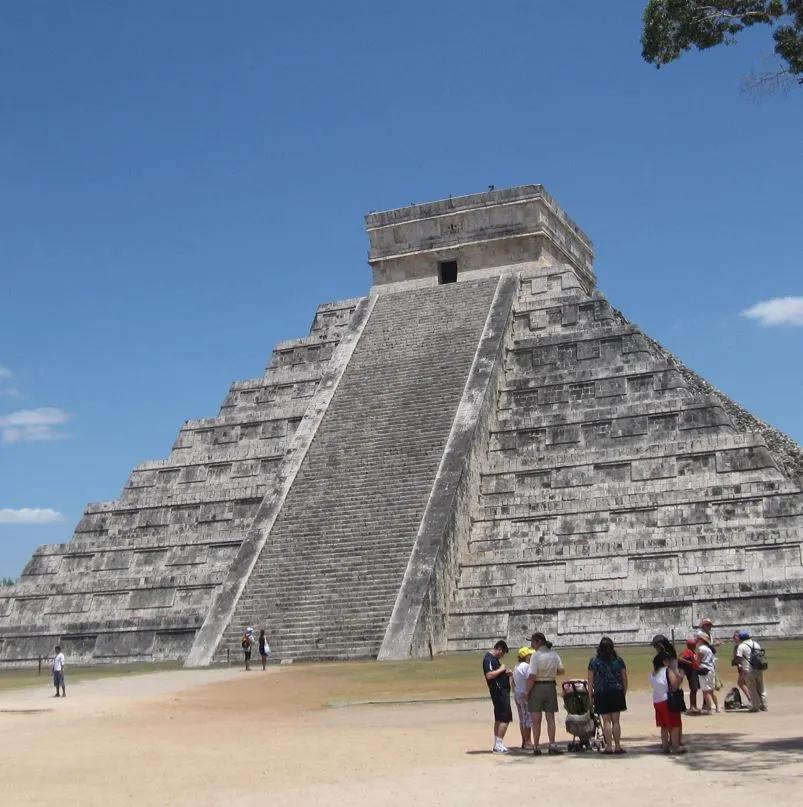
(520, 675)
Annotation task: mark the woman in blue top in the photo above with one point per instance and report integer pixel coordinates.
(607, 683)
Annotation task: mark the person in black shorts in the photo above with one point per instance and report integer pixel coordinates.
(497, 676)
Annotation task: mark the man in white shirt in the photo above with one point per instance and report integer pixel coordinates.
(58, 672)
(542, 694)
(753, 678)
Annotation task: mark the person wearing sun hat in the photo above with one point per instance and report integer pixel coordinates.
(520, 675)
(707, 627)
(753, 678)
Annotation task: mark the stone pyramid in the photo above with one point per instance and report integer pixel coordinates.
(479, 447)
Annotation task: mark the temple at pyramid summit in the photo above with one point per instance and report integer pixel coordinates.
(480, 447)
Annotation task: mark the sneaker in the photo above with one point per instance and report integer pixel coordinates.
(501, 748)
(553, 749)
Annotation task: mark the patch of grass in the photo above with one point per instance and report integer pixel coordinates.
(29, 677)
(459, 675)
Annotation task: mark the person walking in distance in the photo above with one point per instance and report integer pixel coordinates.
(542, 694)
(750, 656)
(520, 676)
(58, 672)
(264, 648)
(497, 676)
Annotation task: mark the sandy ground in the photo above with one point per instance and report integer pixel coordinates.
(224, 737)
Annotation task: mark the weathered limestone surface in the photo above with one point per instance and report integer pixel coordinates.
(620, 493)
(327, 578)
(138, 577)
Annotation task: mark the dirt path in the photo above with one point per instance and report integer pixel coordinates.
(219, 738)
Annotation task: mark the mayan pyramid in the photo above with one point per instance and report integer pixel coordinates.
(481, 446)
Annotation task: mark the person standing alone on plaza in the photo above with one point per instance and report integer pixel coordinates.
(542, 693)
(58, 672)
(497, 676)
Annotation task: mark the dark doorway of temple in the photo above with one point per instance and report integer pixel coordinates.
(447, 272)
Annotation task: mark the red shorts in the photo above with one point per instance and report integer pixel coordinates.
(665, 719)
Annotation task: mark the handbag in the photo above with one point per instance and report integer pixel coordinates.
(676, 701)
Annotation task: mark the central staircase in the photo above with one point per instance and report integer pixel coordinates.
(327, 578)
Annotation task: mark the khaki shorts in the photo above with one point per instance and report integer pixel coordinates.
(543, 697)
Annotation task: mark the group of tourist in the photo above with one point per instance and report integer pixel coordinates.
(248, 643)
(535, 687)
(535, 679)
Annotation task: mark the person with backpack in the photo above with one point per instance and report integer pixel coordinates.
(247, 642)
(752, 662)
(741, 686)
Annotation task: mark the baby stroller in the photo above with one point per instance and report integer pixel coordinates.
(581, 720)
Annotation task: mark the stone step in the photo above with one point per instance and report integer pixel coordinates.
(362, 488)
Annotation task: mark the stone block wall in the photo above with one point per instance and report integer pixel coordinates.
(137, 578)
(619, 494)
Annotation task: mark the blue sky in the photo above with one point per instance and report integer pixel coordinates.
(181, 183)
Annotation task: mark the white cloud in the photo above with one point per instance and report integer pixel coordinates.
(778, 311)
(7, 383)
(30, 425)
(30, 515)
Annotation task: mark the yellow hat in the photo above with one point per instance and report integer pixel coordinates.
(525, 653)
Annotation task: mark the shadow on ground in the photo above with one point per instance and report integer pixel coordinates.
(728, 752)
(740, 753)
